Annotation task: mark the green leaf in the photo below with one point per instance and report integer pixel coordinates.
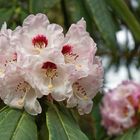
(5, 15)
(138, 2)
(43, 133)
(103, 20)
(76, 9)
(36, 6)
(124, 12)
(99, 131)
(86, 124)
(6, 4)
(16, 125)
(136, 135)
(131, 134)
(51, 3)
(128, 135)
(108, 138)
(62, 127)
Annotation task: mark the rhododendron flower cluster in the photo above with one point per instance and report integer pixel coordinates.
(120, 108)
(38, 60)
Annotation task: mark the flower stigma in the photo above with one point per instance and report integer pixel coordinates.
(50, 72)
(1, 72)
(23, 87)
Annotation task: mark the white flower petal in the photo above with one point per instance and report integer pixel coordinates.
(32, 106)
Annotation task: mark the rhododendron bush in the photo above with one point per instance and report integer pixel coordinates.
(52, 86)
(41, 65)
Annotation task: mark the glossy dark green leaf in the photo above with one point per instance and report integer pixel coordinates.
(124, 12)
(103, 20)
(16, 125)
(62, 127)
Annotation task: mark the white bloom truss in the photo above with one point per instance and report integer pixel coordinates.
(37, 60)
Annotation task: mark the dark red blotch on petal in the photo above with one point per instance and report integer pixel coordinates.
(15, 56)
(39, 39)
(67, 49)
(49, 65)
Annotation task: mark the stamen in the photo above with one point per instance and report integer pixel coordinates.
(50, 86)
(78, 66)
(14, 57)
(1, 72)
(23, 87)
(79, 91)
(21, 101)
(50, 72)
(70, 57)
(11, 59)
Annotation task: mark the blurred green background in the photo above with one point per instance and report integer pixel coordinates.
(113, 24)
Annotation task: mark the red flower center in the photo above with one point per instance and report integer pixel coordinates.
(40, 41)
(70, 56)
(49, 65)
(67, 49)
(50, 72)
